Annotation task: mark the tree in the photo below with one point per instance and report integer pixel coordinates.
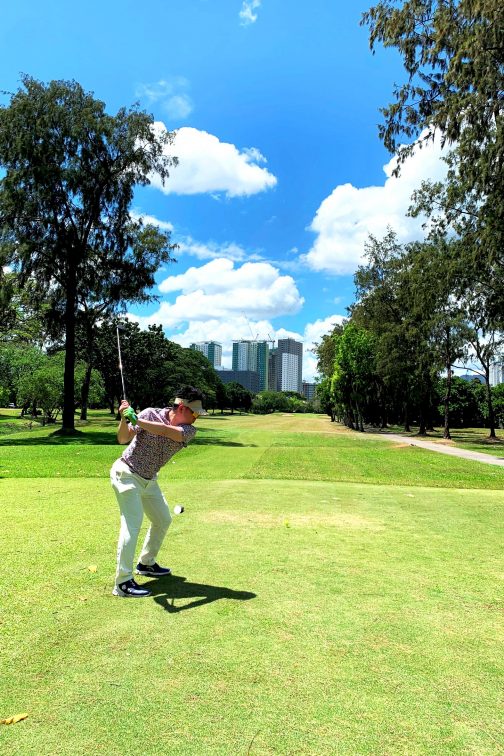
(354, 378)
(326, 351)
(453, 53)
(326, 399)
(270, 401)
(65, 198)
(466, 402)
(127, 276)
(399, 344)
(238, 397)
(498, 403)
(43, 387)
(17, 361)
(154, 367)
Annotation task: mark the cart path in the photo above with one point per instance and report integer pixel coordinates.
(437, 447)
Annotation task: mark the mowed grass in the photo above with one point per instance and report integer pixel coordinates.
(300, 447)
(308, 613)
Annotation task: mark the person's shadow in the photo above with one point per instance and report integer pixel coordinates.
(166, 591)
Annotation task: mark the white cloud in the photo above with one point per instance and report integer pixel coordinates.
(219, 291)
(202, 250)
(152, 220)
(212, 251)
(221, 301)
(171, 95)
(209, 165)
(247, 15)
(345, 219)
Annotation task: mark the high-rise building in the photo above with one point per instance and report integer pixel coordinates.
(289, 365)
(309, 390)
(252, 355)
(497, 372)
(249, 379)
(211, 349)
(273, 369)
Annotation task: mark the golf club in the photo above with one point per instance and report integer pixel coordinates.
(120, 361)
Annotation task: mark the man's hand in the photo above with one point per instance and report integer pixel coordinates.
(130, 415)
(127, 412)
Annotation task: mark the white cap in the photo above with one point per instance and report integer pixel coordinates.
(195, 406)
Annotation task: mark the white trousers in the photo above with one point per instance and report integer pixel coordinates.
(136, 495)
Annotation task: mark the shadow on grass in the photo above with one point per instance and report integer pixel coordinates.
(167, 590)
(475, 437)
(216, 442)
(97, 438)
(77, 438)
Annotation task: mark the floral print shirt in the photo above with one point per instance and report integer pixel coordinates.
(147, 453)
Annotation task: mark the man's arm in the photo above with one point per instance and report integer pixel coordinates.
(174, 432)
(124, 432)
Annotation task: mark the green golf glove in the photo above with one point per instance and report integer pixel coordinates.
(130, 415)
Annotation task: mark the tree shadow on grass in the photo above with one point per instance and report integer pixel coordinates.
(166, 591)
(216, 442)
(97, 438)
(77, 438)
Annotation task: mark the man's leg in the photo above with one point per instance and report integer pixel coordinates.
(128, 493)
(157, 510)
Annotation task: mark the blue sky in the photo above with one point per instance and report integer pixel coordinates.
(282, 175)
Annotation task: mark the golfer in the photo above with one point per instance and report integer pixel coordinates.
(155, 435)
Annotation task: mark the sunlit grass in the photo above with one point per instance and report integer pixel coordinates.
(316, 607)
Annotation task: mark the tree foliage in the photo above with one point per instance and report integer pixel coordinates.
(154, 367)
(453, 54)
(65, 198)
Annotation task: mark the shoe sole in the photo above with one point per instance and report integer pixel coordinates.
(117, 592)
(152, 574)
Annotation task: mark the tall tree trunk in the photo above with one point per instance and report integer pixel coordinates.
(85, 392)
(422, 430)
(447, 397)
(407, 428)
(68, 382)
(491, 413)
(87, 376)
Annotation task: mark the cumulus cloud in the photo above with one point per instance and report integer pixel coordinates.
(170, 94)
(222, 302)
(209, 165)
(247, 15)
(345, 219)
(219, 291)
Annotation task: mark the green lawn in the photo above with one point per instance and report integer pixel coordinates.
(330, 596)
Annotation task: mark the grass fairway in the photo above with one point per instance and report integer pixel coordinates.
(329, 596)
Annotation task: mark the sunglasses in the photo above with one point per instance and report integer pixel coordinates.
(195, 416)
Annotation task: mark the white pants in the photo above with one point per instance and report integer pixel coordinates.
(136, 495)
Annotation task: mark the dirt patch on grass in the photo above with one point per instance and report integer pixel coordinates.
(264, 520)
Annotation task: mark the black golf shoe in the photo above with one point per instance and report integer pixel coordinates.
(130, 589)
(152, 570)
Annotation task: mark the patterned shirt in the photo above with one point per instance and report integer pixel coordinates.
(147, 453)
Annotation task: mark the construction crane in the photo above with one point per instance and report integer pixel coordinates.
(254, 338)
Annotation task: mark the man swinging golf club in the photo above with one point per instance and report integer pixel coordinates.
(155, 435)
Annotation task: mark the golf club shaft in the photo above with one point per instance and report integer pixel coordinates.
(120, 362)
